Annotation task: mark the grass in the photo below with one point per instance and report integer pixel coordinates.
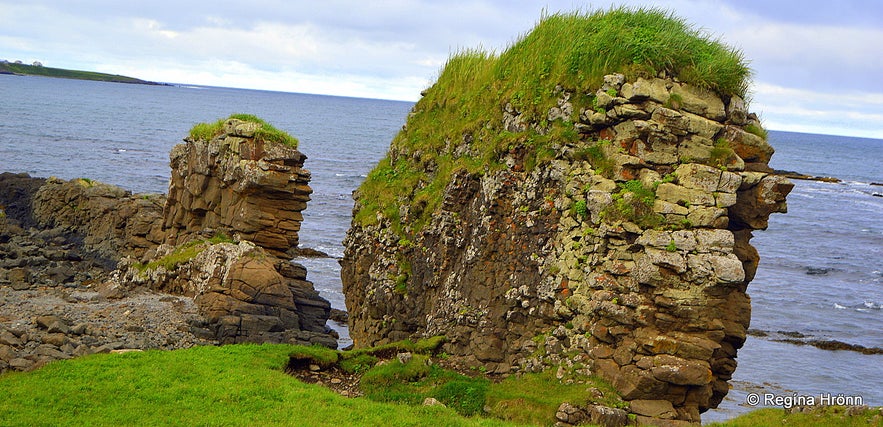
(564, 52)
(31, 70)
(827, 416)
(234, 385)
(634, 203)
(183, 253)
(532, 399)
(756, 130)
(266, 132)
(721, 154)
(245, 384)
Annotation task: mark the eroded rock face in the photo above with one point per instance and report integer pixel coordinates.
(244, 294)
(222, 238)
(253, 191)
(626, 256)
(237, 184)
(112, 222)
(104, 221)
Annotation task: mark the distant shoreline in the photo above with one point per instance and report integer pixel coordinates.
(39, 70)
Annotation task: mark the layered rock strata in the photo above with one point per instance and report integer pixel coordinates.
(238, 184)
(626, 255)
(231, 218)
(243, 293)
(219, 245)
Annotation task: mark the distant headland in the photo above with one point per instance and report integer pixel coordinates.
(37, 69)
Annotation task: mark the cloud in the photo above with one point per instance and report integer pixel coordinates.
(855, 113)
(392, 48)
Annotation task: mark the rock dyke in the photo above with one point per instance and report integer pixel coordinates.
(626, 254)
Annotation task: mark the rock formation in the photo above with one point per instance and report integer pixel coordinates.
(251, 189)
(104, 261)
(243, 293)
(609, 236)
(236, 183)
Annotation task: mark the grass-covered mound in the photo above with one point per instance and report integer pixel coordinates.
(565, 52)
(528, 399)
(266, 131)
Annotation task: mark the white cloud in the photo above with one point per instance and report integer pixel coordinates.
(819, 65)
(853, 113)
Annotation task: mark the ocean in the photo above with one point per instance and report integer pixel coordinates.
(821, 268)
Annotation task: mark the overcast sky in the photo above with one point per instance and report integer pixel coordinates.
(818, 64)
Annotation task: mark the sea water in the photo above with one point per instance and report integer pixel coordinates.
(821, 268)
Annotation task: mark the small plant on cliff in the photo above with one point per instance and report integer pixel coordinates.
(755, 129)
(183, 253)
(634, 203)
(596, 155)
(721, 154)
(266, 132)
(675, 100)
(580, 210)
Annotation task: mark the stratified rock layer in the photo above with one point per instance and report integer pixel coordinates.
(243, 293)
(220, 244)
(625, 256)
(238, 184)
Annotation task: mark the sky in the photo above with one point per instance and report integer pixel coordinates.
(818, 65)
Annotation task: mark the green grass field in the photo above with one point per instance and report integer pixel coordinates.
(233, 385)
(245, 385)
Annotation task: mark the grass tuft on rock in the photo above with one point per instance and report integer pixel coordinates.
(266, 132)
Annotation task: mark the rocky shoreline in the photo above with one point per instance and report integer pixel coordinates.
(87, 267)
(54, 303)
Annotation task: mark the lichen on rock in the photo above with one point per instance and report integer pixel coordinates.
(559, 219)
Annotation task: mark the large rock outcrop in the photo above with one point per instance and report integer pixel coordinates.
(221, 240)
(243, 293)
(108, 221)
(626, 254)
(238, 184)
(231, 219)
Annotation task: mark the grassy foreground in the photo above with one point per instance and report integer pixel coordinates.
(245, 385)
(217, 386)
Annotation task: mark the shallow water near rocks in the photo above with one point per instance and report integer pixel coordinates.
(821, 269)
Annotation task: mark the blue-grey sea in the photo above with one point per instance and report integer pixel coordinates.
(821, 270)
